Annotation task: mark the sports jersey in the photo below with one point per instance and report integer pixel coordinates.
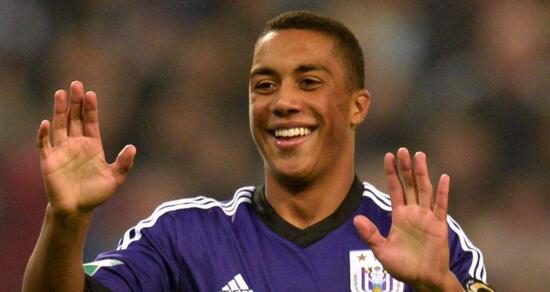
(201, 244)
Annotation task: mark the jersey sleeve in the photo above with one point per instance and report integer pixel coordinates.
(466, 260)
(145, 259)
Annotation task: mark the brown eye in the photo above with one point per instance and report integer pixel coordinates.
(309, 83)
(264, 87)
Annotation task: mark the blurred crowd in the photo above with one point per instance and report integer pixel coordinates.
(465, 81)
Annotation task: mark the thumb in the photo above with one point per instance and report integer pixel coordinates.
(124, 162)
(369, 232)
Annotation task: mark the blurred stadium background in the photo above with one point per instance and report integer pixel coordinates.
(465, 81)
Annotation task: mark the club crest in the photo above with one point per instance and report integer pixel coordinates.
(368, 274)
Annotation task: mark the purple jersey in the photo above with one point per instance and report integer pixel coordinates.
(201, 244)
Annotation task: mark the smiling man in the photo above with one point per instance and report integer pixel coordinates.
(312, 226)
(303, 115)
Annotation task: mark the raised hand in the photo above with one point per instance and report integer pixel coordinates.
(416, 250)
(76, 176)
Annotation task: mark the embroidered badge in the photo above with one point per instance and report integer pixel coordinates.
(368, 274)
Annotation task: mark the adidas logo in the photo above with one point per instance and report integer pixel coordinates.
(237, 284)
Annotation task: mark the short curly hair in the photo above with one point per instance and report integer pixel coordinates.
(346, 44)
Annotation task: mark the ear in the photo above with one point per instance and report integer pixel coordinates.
(360, 107)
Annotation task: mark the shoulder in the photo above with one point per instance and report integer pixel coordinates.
(195, 211)
(228, 207)
(380, 199)
(466, 258)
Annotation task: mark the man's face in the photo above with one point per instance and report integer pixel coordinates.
(302, 113)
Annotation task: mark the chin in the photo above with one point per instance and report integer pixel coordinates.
(292, 175)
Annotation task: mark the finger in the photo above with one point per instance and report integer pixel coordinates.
(91, 116)
(43, 139)
(60, 116)
(369, 233)
(75, 111)
(423, 180)
(123, 163)
(406, 170)
(442, 199)
(394, 184)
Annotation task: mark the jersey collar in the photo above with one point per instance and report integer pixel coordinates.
(309, 235)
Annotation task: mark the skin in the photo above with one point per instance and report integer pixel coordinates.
(416, 250)
(304, 183)
(77, 180)
(304, 84)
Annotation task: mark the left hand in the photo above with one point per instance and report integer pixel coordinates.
(416, 250)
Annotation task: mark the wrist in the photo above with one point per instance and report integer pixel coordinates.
(451, 283)
(69, 221)
(448, 283)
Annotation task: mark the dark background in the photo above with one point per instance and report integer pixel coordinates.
(464, 81)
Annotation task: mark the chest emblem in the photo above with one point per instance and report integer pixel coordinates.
(368, 275)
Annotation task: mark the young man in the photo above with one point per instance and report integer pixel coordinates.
(313, 226)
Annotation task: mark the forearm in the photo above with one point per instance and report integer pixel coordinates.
(56, 262)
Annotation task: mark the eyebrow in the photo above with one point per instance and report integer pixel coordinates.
(311, 67)
(262, 71)
(304, 68)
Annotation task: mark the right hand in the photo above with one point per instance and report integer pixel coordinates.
(76, 176)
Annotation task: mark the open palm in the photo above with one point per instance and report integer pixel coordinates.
(416, 250)
(76, 175)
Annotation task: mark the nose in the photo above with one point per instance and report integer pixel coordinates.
(287, 101)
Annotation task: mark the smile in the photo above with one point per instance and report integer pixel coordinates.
(288, 138)
(292, 132)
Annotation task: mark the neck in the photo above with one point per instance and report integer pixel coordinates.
(303, 205)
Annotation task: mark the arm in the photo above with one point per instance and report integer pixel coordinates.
(416, 250)
(77, 179)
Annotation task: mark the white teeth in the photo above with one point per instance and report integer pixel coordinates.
(289, 133)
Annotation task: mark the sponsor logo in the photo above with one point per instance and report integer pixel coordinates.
(237, 284)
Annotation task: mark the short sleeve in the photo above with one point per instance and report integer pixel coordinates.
(466, 260)
(145, 259)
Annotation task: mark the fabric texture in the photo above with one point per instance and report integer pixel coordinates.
(201, 244)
